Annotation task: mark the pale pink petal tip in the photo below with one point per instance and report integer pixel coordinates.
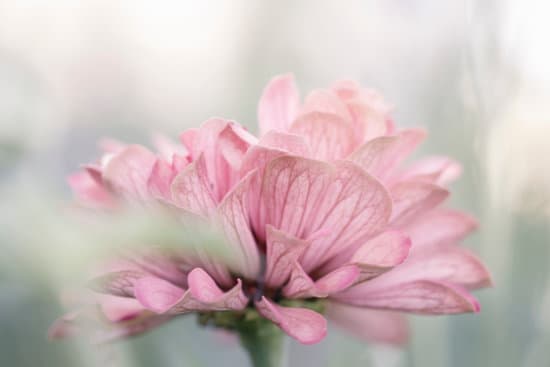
(156, 294)
(304, 325)
(205, 290)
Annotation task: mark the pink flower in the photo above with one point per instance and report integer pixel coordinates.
(318, 211)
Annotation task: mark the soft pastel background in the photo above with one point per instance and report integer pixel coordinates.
(476, 73)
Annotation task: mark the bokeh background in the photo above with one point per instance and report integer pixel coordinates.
(475, 73)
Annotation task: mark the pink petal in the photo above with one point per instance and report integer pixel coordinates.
(282, 250)
(346, 89)
(168, 148)
(117, 309)
(189, 140)
(64, 327)
(326, 101)
(440, 226)
(109, 145)
(447, 263)
(291, 143)
(119, 283)
(303, 197)
(128, 329)
(301, 285)
(160, 180)
(128, 171)
(234, 142)
(89, 192)
(411, 199)
(381, 254)
(417, 296)
(279, 104)
(304, 325)
(370, 325)
(204, 289)
(369, 122)
(233, 213)
(329, 136)
(221, 143)
(380, 156)
(437, 170)
(161, 296)
(191, 189)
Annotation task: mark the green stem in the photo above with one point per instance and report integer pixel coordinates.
(264, 343)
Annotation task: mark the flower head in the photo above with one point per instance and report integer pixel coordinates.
(319, 217)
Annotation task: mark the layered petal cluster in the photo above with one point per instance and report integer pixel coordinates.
(320, 208)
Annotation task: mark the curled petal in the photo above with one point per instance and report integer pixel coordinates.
(371, 325)
(304, 325)
(204, 289)
(301, 285)
(329, 136)
(117, 309)
(381, 254)
(161, 296)
(279, 104)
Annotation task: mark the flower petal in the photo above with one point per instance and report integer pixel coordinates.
(370, 325)
(282, 250)
(437, 170)
(380, 156)
(279, 104)
(417, 296)
(128, 171)
(304, 325)
(381, 254)
(411, 199)
(287, 142)
(303, 197)
(440, 226)
(235, 221)
(161, 296)
(234, 141)
(89, 191)
(160, 180)
(301, 285)
(326, 101)
(119, 283)
(329, 136)
(204, 289)
(117, 309)
(191, 189)
(447, 263)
